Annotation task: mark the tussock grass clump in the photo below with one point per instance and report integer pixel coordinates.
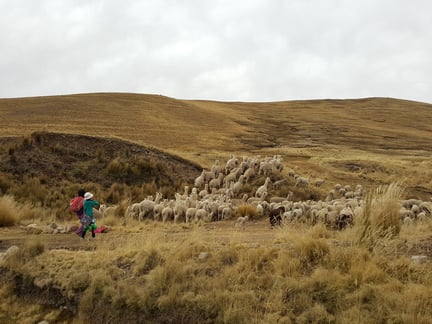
(27, 212)
(228, 256)
(311, 251)
(8, 211)
(5, 183)
(93, 302)
(320, 231)
(148, 260)
(247, 210)
(380, 220)
(117, 168)
(306, 249)
(117, 192)
(31, 249)
(33, 189)
(327, 289)
(158, 277)
(120, 169)
(13, 212)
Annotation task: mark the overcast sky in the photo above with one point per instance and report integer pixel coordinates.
(230, 50)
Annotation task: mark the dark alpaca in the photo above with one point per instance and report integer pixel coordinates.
(275, 216)
(343, 221)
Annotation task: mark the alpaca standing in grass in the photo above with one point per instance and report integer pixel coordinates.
(275, 216)
(263, 189)
(241, 221)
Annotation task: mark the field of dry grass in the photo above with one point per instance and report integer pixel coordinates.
(152, 272)
(370, 141)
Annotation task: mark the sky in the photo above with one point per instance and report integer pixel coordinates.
(225, 50)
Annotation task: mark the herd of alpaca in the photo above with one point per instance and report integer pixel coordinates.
(218, 192)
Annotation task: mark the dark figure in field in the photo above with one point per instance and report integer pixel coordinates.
(344, 220)
(80, 212)
(275, 216)
(88, 219)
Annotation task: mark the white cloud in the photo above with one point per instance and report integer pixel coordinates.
(223, 50)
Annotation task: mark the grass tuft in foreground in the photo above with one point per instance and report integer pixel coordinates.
(380, 220)
(160, 273)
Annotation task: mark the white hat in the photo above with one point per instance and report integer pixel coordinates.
(88, 195)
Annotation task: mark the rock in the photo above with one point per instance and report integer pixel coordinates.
(419, 258)
(48, 230)
(33, 229)
(203, 256)
(10, 251)
(41, 282)
(61, 229)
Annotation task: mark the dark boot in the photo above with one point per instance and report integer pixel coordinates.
(93, 234)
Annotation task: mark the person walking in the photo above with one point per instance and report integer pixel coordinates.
(77, 206)
(90, 222)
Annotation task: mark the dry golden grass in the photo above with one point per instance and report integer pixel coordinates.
(247, 210)
(162, 272)
(369, 141)
(380, 219)
(12, 213)
(8, 211)
(202, 273)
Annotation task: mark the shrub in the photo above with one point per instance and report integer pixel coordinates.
(27, 142)
(380, 220)
(5, 184)
(311, 251)
(116, 193)
(8, 211)
(147, 261)
(249, 210)
(117, 169)
(143, 167)
(100, 155)
(31, 190)
(28, 212)
(31, 249)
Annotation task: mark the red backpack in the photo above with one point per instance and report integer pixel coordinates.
(76, 204)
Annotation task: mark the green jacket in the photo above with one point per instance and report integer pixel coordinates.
(88, 207)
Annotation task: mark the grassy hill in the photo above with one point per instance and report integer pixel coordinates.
(370, 124)
(368, 141)
(123, 147)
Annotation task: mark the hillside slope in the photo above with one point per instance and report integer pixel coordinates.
(42, 166)
(167, 123)
(371, 140)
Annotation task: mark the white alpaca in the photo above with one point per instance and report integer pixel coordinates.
(241, 222)
(216, 182)
(263, 189)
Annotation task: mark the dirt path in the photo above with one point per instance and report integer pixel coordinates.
(258, 232)
(255, 233)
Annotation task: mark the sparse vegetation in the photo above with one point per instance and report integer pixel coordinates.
(380, 220)
(247, 210)
(201, 272)
(8, 211)
(303, 275)
(47, 174)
